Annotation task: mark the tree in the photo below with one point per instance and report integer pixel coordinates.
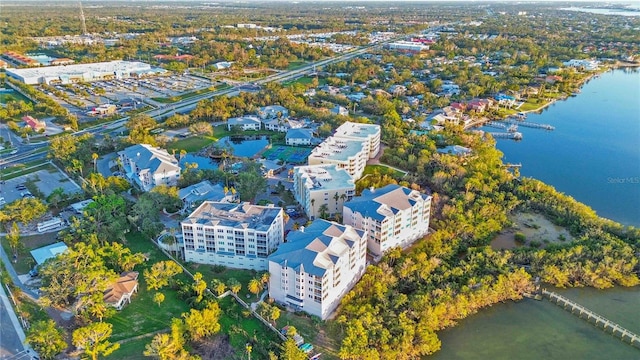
(250, 183)
(24, 210)
(158, 298)
(13, 238)
(107, 217)
(324, 211)
(202, 323)
(140, 127)
(199, 286)
(46, 339)
(255, 286)
(93, 340)
(274, 314)
(291, 351)
(218, 286)
(95, 157)
(201, 128)
(161, 273)
(234, 285)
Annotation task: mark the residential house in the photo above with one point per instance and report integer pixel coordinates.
(397, 90)
(340, 110)
(455, 150)
(392, 216)
(196, 194)
(119, 293)
(222, 65)
(233, 235)
(331, 90)
(589, 65)
(281, 124)
(317, 266)
(34, 124)
(479, 105)
(316, 186)
(350, 155)
(552, 79)
(273, 112)
(297, 137)
(369, 133)
(247, 122)
(149, 166)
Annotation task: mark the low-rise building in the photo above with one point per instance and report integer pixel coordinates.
(119, 293)
(392, 215)
(340, 110)
(273, 111)
(318, 185)
(34, 124)
(149, 166)
(317, 266)
(407, 46)
(368, 133)
(233, 235)
(281, 124)
(244, 123)
(297, 137)
(348, 154)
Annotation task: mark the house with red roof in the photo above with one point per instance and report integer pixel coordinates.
(33, 123)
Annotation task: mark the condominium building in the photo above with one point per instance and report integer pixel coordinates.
(368, 133)
(393, 216)
(233, 235)
(348, 154)
(149, 166)
(321, 188)
(317, 266)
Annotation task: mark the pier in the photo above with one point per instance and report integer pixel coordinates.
(590, 316)
(531, 125)
(496, 125)
(506, 135)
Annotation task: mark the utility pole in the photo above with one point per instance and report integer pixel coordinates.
(84, 24)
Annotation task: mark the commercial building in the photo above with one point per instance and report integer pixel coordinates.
(34, 124)
(149, 166)
(368, 133)
(233, 235)
(392, 215)
(67, 74)
(317, 266)
(350, 155)
(318, 185)
(407, 46)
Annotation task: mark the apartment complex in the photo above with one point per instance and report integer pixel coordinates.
(318, 185)
(149, 166)
(317, 266)
(393, 216)
(233, 235)
(347, 154)
(368, 133)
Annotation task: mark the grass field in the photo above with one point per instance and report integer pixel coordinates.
(305, 80)
(192, 144)
(243, 276)
(143, 316)
(27, 168)
(25, 261)
(12, 96)
(383, 169)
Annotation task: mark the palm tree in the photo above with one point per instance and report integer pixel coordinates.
(255, 286)
(265, 277)
(324, 211)
(313, 208)
(95, 157)
(336, 197)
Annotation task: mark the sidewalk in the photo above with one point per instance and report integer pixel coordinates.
(11, 331)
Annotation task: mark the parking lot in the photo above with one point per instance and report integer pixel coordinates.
(126, 94)
(45, 180)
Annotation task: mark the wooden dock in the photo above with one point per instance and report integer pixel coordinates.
(507, 135)
(532, 125)
(579, 310)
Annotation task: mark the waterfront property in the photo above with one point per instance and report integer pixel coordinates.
(367, 133)
(393, 216)
(350, 155)
(244, 123)
(67, 74)
(317, 266)
(149, 166)
(233, 235)
(316, 186)
(296, 137)
(273, 112)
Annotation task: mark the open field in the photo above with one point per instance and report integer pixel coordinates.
(192, 144)
(537, 229)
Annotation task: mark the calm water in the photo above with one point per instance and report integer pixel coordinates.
(244, 147)
(203, 162)
(594, 156)
(539, 330)
(622, 12)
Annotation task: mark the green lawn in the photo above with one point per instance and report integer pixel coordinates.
(12, 96)
(384, 169)
(131, 350)
(143, 316)
(243, 276)
(25, 261)
(296, 65)
(24, 169)
(192, 144)
(305, 80)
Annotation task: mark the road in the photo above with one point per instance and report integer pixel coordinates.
(27, 152)
(11, 333)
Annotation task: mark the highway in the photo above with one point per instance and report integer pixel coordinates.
(28, 152)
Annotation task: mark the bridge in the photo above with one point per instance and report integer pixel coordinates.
(579, 310)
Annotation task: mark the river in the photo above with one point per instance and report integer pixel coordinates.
(594, 156)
